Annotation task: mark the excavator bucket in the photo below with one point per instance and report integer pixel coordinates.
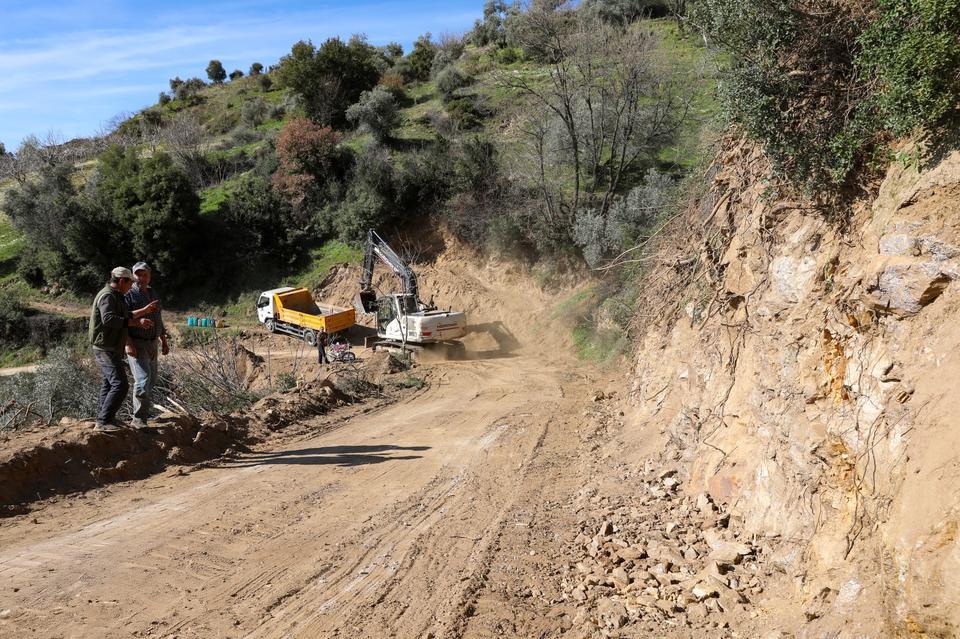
(366, 302)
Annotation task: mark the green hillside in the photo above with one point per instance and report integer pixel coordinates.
(232, 186)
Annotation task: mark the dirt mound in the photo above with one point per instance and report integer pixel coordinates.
(77, 458)
(74, 457)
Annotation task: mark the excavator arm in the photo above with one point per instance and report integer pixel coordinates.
(376, 247)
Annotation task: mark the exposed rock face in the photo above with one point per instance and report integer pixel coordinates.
(811, 388)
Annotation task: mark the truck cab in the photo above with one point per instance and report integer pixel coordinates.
(266, 308)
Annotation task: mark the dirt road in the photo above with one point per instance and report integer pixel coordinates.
(387, 526)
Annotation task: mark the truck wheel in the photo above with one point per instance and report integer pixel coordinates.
(349, 357)
(270, 325)
(310, 337)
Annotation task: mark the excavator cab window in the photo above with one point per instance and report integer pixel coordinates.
(408, 304)
(385, 313)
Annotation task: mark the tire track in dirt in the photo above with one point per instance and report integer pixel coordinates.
(406, 504)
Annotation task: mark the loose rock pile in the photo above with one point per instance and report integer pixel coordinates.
(660, 559)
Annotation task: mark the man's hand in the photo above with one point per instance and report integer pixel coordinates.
(130, 349)
(164, 347)
(145, 323)
(152, 307)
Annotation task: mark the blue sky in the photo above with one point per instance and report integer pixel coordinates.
(70, 66)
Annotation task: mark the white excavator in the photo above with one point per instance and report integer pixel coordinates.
(404, 321)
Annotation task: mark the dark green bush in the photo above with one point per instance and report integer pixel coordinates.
(130, 208)
(449, 80)
(819, 88)
(464, 113)
(913, 50)
(420, 59)
(330, 78)
(13, 314)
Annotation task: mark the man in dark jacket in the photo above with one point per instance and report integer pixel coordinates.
(142, 348)
(322, 341)
(109, 319)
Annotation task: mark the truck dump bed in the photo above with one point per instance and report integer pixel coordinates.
(298, 307)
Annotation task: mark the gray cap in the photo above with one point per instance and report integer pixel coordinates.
(141, 266)
(121, 272)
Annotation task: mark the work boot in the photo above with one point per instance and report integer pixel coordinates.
(106, 427)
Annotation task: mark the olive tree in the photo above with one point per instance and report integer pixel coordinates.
(376, 111)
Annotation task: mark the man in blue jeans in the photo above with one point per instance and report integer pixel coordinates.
(109, 320)
(141, 346)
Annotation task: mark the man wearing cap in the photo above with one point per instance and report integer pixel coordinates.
(109, 320)
(141, 347)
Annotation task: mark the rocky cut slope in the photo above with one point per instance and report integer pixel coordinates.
(807, 380)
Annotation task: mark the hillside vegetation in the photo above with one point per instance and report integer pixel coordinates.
(561, 136)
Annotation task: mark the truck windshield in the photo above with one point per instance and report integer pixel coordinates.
(263, 301)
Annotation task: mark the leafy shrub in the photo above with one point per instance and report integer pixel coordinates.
(376, 112)
(464, 113)
(13, 327)
(393, 50)
(254, 111)
(187, 90)
(310, 161)
(395, 84)
(330, 78)
(622, 12)
(491, 28)
(262, 223)
(129, 207)
(164, 98)
(819, 88)
(66, 385)
(449, 80)
(424, 177)
(236, 74)
(508, 55)
(255, 69)
(421, 58)
(628, 219)
(264, 82)
(913, 49)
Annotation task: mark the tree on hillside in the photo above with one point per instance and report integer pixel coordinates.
(183, 139)
(263, 221)
(236, 74)
(491, 28)
(216, 72)
(310, 162)
(393, 50)
(421, 58)
(606, 108)
(152, 202)
(255, 69)
(330, 78)
(129, 206)
(376, 111)
(187, 90)
(35, 154)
